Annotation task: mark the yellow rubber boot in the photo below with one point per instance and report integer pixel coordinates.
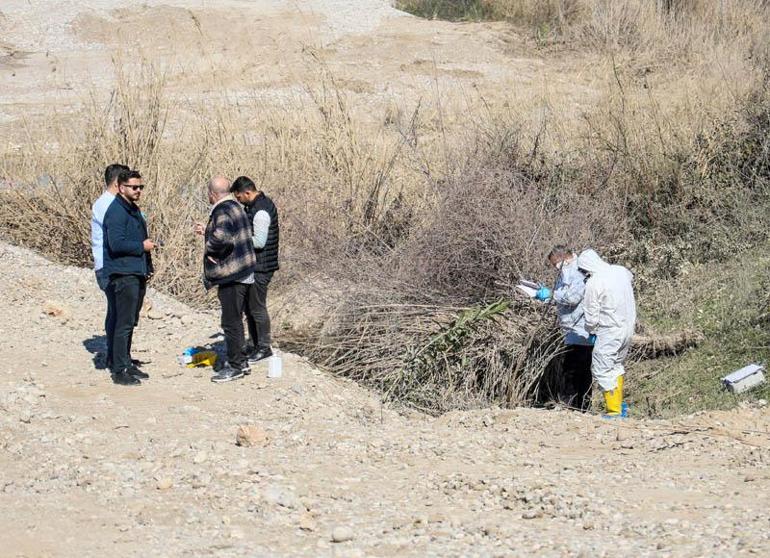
(613, 399)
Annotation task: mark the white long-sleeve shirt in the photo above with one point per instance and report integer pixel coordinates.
(97, 228)
(261, 227)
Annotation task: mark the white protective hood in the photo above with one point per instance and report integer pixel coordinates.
(591, 262)
(609, 308)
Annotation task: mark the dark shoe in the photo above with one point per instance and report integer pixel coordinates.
(260, 354)
(125, 378)
(246, 368)
(134, 362)
(227, 374)
(136, 373)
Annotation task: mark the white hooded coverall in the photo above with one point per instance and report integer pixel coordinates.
(610, 313)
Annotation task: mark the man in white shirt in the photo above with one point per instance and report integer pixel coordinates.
(263, 218)
(97, 247)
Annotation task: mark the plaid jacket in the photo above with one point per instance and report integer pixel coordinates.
(228, 243)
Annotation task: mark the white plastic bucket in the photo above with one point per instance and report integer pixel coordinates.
(274, 367)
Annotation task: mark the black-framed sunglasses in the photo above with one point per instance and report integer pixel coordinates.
(139, 187)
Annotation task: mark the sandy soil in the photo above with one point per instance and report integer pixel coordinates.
(88, 468)
(56, 53)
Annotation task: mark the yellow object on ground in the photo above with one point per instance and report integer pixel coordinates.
(613, 399)
(203, 358)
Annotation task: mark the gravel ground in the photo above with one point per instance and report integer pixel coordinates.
(88, 468)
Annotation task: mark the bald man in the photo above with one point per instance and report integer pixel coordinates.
(229, 263)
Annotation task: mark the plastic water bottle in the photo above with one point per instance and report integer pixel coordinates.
(624, 409)
(274, 367)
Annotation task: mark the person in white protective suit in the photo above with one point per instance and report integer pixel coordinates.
(567, 296)
(609, 309)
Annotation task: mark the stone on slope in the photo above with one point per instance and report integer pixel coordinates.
(281, 496)
(153, 314)
(56, 310)
(342, 533)
(307, 522)
(200, 457)
(251, 436)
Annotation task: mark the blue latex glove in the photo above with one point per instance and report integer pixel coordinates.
(592, 339)
(543, 294)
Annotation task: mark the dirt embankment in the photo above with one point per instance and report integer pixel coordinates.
(93, 469)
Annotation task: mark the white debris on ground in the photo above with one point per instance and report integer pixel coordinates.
(310, 465)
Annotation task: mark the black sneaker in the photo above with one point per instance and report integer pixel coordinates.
(125, 378)
(260, 354)
(136, 373)
(134, 362)
(227, 374)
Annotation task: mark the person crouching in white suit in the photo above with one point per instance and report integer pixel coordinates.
(610, 314)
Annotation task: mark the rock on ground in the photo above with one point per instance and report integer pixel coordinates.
(250, 436)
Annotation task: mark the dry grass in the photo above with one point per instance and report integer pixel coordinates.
(667, 28)
(437, 358)
(410, 232)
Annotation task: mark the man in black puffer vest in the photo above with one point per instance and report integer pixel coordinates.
(263, 217)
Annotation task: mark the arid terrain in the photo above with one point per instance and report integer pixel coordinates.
(56, 54)
(88, 468)
(91, 469)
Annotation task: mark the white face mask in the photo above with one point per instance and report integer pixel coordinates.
(559, 266)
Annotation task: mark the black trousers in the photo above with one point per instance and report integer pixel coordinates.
(577, 376)
(257, 317)
(232, 298)
(109, 320)
(129, 291)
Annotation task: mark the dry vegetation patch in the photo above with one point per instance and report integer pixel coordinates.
(414, 226)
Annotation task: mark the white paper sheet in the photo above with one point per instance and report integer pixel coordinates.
(529, 288)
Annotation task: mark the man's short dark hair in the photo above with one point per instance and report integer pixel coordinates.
(559, 250)
(127, 175)
(243, 184)
(112, 171)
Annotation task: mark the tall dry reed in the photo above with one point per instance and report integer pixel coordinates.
(409, 234)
